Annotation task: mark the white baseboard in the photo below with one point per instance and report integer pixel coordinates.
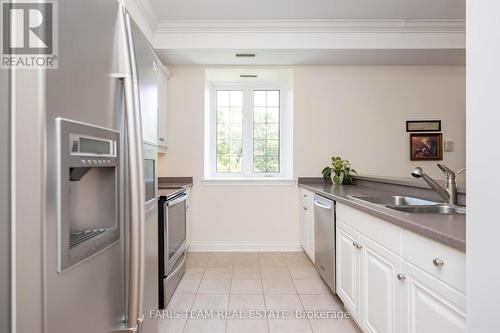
(244, 247)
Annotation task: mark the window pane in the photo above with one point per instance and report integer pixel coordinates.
(273, 131)
(273, 98)
(273, 164)
(236, 98)
(222, 131)
(235, 164)
(272, 147)
(259, 164)
(266, 131)
(235, 132)
(273, 115)
(222, 98)
(222, 147)
(236, 148)
(222, 163)
(229, 120)
(236, 115)
(222, 114)
(259, 131)
(259, 147)
(259, 98)
(259, 115)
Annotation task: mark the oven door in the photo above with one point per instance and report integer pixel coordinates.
(174, 231)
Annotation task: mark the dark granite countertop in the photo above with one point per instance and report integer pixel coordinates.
(446, 229)
(174, 182)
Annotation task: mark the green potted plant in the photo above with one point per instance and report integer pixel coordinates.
(340, 172)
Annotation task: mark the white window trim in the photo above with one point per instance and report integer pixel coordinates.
(285, 174)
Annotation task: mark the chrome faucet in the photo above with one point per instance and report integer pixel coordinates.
(449, 191)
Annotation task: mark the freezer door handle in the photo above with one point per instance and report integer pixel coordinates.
(136, 192)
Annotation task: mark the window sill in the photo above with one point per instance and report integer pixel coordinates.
(249, 182)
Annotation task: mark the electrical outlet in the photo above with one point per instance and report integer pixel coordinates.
(449, 146)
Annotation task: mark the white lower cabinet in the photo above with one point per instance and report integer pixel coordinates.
(310, 233)
(348, 269)
(388, 294)
(382, 290)
(431, 306)
(307, 231)
(307, 223)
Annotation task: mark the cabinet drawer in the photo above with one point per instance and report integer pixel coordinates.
(441, 261)
(378, 230)
(307, 198)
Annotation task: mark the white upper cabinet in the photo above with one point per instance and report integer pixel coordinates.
(163, 76)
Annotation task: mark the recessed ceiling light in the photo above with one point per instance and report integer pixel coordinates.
(248, 75)
(245, 55)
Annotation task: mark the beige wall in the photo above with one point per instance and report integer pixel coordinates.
(360, 112)
(356, 111)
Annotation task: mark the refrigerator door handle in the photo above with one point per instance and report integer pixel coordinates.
(137, 197)
(134, 219)
(140, 188)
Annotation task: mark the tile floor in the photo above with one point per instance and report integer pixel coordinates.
(249, 285)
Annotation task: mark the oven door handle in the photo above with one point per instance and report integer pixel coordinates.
(177, 200)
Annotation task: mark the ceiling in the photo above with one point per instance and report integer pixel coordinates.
(307, 32)
(307, 9)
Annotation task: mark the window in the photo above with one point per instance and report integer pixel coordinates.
(248, 131)
(229, 128)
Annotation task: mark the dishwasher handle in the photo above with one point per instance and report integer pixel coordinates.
(323, 205)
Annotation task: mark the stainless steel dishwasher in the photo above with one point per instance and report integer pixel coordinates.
(324, 239)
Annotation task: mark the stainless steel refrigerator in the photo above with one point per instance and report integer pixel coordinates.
(5, 230)
(100, 229)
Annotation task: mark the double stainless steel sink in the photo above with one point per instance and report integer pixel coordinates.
(411, 205)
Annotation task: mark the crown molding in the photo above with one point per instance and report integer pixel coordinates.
(148, 14)
(330, 34)
(310, 26)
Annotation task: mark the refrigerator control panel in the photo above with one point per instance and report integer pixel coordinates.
(90, 146)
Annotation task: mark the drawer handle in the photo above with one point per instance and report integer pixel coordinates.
(305, 195)
(305, 208)
(357, 245)
(401, 277)
(438, 262)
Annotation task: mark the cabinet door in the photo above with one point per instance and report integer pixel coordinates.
(310, 234)
(304, 230)
(381, 289)
(348, 268)
(429, 305)
(162, 109)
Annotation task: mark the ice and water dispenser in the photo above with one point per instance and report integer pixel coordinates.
(88, 190)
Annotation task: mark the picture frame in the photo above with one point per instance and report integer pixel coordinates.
(426, 146)
(423, 126)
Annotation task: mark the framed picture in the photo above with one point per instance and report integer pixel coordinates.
(423, 125)
(426, 147)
